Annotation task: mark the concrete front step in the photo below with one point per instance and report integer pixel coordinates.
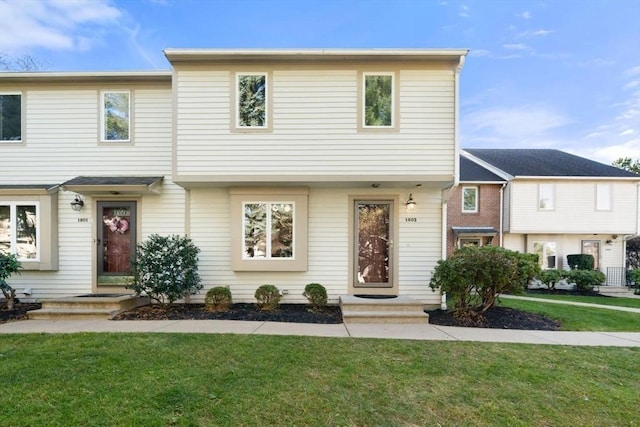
(401, 309)
(615, 290)
(97, 306)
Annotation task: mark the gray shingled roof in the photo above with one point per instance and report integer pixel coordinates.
(473, 172)
(545, 162)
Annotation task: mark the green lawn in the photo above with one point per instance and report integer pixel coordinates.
(577, 318)
(238, 380)
(616, 301)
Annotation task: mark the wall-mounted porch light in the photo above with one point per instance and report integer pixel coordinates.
(411, 204)
(77, 203)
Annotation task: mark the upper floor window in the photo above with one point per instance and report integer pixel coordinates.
(470, 199)
(116, 114)
(10, 117)
(378, 103)
(546, 197)
(20, 230)
(251, 100)
(603, 197)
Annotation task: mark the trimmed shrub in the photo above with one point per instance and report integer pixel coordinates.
(218, 299)
(586, 280)
(581, 261)
(268, 297)
(474, 277)
(9, 265)
(634, 276)
(551, 277)
(166, 268)
(316, 294)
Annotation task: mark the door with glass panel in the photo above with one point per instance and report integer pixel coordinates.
(116, 240)
(373, 243)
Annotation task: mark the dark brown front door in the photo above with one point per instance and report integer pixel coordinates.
(373, 244)
(116, 238)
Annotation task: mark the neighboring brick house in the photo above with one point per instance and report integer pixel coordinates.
(473, 210)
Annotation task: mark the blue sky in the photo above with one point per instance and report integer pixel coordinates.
(559, 74)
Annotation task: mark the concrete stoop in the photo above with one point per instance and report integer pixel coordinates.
(94, 306)
(616, 291)
(401, 309)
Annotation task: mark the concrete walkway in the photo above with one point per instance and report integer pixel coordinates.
(388, 331)
(581, 304)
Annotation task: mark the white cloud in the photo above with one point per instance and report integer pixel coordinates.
(464, 11)
(634, 71)
(524, 15)
(607, 154)
(516, 46)
(536, 33)
(54, 24)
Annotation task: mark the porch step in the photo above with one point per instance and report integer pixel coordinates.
(616, 291)
(402, 309)
(96, 306)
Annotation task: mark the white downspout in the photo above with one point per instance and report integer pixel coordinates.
(502, 214)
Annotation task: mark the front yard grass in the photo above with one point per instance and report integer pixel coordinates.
(242, 380)
(578, 318)
(615, 301)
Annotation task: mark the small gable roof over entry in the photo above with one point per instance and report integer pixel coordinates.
(128, 185)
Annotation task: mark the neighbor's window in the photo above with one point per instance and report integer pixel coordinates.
(378, 100)
(10, 117)
(116, 114)
(268, 230)
(546, 197)
(251, 108)
(546, 252)
(603, 197)
(470, 199)
(19, 230)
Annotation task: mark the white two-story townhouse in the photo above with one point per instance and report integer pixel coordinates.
(557, 204)
(285, 167)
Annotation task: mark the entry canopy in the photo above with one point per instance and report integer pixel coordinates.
(474, 231)
(114, 185)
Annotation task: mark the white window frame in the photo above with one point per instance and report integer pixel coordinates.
(13, 226)
(267, 106)
(22, 118)
(604, 200)
(475, 208)
(103, 117)
(269, 209)
(546, 247)
(364, 99)
(546, 190)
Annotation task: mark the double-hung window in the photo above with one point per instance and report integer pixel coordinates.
(603, 197)
(378, 101)
(469, 199)
(115, 109)
(10, 117)
(252, 103)
(546, 197)
(20, 230)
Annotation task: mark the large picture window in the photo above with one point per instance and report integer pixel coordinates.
(469, 199)
(251, 100)
(268, 230)
(20, 230)
(378, 102)
(10, 117)
(116, 114)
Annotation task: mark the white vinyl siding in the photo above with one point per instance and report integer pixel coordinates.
(315, 128)
(419, 244)
(574, 208)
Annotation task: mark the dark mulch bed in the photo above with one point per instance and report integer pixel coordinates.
(19, 311)
(293, 313)
(497, 318)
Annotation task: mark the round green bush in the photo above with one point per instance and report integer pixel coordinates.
(316, 294)
(218, 299)
(268, 297)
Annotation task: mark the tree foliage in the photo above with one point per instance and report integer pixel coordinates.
(166, 268)
(628, 164)
(22, 63)
(474, 277)
(252, 100)
(378, 102)
(116, 110)
(9, 265)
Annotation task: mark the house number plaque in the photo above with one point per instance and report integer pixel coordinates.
(411, 219)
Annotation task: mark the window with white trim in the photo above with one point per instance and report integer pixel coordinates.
(10, 117)
(116, 116)
(268, 230)
(20, 230)
(251, 100)
(469, 199)
(546, 196)
(378, 100)
(603, 197)
(546, 252)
